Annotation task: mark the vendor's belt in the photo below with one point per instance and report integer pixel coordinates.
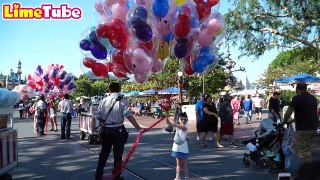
(113, 125)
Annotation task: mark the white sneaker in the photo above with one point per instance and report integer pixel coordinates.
(209, 139)
(198, 139)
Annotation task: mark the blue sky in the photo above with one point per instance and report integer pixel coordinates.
(41, 42)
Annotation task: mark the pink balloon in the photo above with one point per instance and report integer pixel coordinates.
(141, 78)
(128, 55)
(163, 27)
(214, 25)
(140, 62)
(36, 78)
(99, 7)
(157, 65)
(139, 55)
(205, 38)
(119, 11)
(109, 3)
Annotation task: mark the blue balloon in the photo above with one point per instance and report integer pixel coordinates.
(210, 59)
(199, 64)
(63, 75)
(180, 50)
(71, 86)
(98, 51)
(160, 8)
(93, 37)
(68, 80)
(143, 32)
(85, 45)
(39, 70)
(61, 85)
(136, 21)
(205, 50)
(55, 72)
(141, 13)
(168, 37)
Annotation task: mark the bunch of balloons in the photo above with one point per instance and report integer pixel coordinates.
(133, 38)
(51, 80)
(24, 91)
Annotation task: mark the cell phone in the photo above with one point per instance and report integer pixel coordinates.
(284, 176)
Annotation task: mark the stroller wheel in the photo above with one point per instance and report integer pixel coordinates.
(246, 160)
(265, 163)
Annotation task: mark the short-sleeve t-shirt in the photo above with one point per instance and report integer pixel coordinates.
(210, 108)
(305, 111)
(199, 112)
(225, 113)
(247, 104)
(275, 105)
(235, 103)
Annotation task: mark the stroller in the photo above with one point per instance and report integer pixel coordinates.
(157, 112)
(265, 147)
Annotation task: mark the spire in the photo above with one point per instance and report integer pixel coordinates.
(247, 84)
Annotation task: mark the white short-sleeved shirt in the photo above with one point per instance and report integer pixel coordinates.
(257, 102)
(183, 148)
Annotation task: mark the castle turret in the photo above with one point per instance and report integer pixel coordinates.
(19, 72)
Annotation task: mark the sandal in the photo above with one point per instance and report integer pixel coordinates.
(220, 147)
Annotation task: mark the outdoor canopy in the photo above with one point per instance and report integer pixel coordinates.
(170, 90)
(148, 92)
(132, 93)
(301, 77)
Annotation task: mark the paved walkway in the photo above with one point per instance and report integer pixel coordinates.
(50, 158)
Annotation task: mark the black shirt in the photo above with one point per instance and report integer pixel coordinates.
(305, 111)
(275, 105)
(210, 108)
(225, 113)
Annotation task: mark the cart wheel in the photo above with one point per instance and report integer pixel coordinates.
(82, 135)
(265, 163)
(246, 161)
(90, 139)
(6, 176)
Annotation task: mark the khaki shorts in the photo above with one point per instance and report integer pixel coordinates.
(303, 141)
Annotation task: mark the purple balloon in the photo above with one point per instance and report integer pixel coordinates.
(142, 31)
(93, 38)
(98, 51)
(61, 85)
(180, 50)
(39, 71)
(68, 79)
(85, 45)
(46, 78)
(55, 72)
(71, 86)
(50, 86)
(46, 90)
(62, 75)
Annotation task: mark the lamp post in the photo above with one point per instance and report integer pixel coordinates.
(180, 85)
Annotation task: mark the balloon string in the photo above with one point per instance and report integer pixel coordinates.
(133, 148)
(46, 124)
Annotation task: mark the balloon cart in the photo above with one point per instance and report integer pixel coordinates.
(88, 124)
(8, 143)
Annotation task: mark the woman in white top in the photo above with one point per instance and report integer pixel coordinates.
(180, 146)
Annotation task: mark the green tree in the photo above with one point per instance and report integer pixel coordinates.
(287, 63)
(84, 88)
(99, 87)
(262, 25)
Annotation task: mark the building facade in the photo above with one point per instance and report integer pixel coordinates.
(13, 79)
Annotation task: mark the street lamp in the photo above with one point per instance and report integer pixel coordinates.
(180, 85)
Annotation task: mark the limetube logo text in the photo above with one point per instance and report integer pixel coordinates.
(46, 11)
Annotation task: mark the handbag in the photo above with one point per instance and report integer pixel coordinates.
(178, 139)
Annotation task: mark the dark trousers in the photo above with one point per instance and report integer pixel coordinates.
(111, 138)
(40, 125)
(65, 125)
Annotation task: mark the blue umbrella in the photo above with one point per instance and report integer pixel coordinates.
(148, 92)
(132, 93)
(301, 77)
(171, 90)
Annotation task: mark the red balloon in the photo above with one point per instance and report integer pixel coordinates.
(110, 66)
(121, 67)
(100, 70)
(198, 1)
(203, 10)
(118, 73)
(182, 29)
(166, 106)
(56, 81)
(88, 62)
(188, 68)
(40, 83)
(32, 84)
(212, 2)
(103, 30)
(117, 57)
(148, 45)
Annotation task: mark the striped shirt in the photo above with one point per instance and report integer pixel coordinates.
(120, 110)
(66, 106)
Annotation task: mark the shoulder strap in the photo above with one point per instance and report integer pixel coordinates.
(117, 99)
